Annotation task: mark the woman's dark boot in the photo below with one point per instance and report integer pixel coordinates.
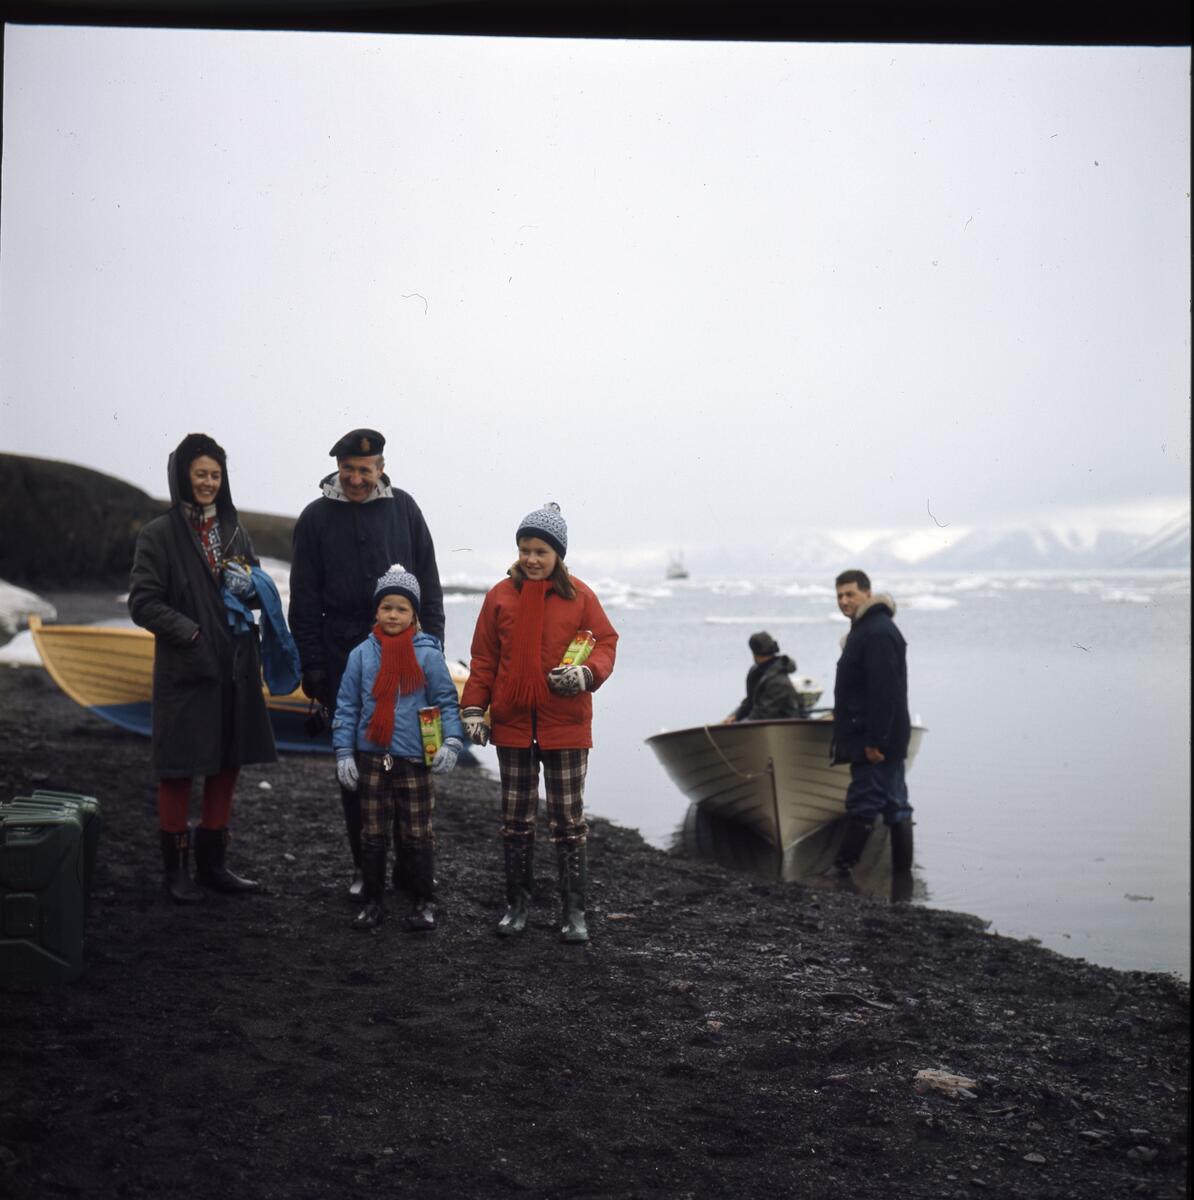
(210, 845)
(520, 881)
(373, 868)
(421, 918)
(175, 858)
(574, 869)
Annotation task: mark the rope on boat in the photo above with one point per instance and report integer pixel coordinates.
(750, 776)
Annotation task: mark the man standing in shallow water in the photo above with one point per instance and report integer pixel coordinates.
(344, 541)
(871, 726)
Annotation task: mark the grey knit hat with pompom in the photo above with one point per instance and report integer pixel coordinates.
(546, 523)
(398, 581)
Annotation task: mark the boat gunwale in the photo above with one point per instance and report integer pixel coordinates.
(733, 727)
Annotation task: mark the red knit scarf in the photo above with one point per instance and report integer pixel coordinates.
(399, 672)
(526, 686)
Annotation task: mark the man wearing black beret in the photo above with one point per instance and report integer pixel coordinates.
(343, 542)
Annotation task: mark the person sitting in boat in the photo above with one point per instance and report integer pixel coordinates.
(769, 691)
(389, 684)
(536, 677)
(209, 714)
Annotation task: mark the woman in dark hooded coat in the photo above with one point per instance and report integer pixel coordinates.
(209, 715)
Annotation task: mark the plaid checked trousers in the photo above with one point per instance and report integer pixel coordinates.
(564, 779)
(406, 785)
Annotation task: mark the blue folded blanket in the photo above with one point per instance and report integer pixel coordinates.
(279, 655)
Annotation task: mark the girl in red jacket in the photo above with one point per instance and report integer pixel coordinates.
(539, 710)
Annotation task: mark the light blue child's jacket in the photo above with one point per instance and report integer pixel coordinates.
(355, 702)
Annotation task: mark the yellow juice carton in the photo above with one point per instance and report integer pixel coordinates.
(579, 648)
(431, 730)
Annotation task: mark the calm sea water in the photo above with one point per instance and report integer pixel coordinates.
(1052, 792)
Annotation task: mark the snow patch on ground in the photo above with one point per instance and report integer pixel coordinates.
(16, 604)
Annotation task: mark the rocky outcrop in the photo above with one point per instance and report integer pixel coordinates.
(64, 526)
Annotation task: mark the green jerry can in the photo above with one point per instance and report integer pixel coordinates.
(42, 863)
(88, 808)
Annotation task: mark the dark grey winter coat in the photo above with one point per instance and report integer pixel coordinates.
(769, 691)
(339, 551)
(208, 710)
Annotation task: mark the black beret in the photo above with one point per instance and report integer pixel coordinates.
(357, 443)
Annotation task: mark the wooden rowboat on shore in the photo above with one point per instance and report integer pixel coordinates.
(774, 777)
(108, 669)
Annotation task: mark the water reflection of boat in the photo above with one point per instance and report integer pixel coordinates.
(108, 669)
(735, 846)
(773, 777)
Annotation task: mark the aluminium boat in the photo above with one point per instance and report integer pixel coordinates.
(773, 777)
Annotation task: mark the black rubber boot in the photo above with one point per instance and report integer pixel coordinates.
(901, 846)
(177, 880)
(520, 881)
(573, 861)
(373, 868)
(210, 845)
(350, 802)
(404, 874)
(854, 840)
(421, 918)
(902, 887)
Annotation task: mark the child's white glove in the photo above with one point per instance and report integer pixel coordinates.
(474, 725)
(446, 756)
(346, 770)
(569, 681)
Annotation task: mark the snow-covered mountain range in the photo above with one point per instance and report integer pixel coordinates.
(1045, 546)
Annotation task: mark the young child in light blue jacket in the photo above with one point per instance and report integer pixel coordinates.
(391, 675)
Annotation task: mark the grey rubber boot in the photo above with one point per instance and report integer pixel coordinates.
(519, 856)
(573, 863)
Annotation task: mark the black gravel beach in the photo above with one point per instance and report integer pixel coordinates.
(719, 1036)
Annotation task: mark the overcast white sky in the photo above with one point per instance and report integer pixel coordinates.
(701, 294)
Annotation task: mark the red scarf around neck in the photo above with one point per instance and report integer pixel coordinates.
(399, 673)
(527, 685)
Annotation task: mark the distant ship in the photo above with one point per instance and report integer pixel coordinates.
(676, 568)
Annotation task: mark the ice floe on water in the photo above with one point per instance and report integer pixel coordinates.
(1126, 596)
(765, 622)
(817, 590)
(927, 602)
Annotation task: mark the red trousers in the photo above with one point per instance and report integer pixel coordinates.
(174, 801)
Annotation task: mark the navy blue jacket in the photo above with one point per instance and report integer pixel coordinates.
(355, 703)
(870, 691)
(340, 549)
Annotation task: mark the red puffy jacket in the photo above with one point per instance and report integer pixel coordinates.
(562, 722)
